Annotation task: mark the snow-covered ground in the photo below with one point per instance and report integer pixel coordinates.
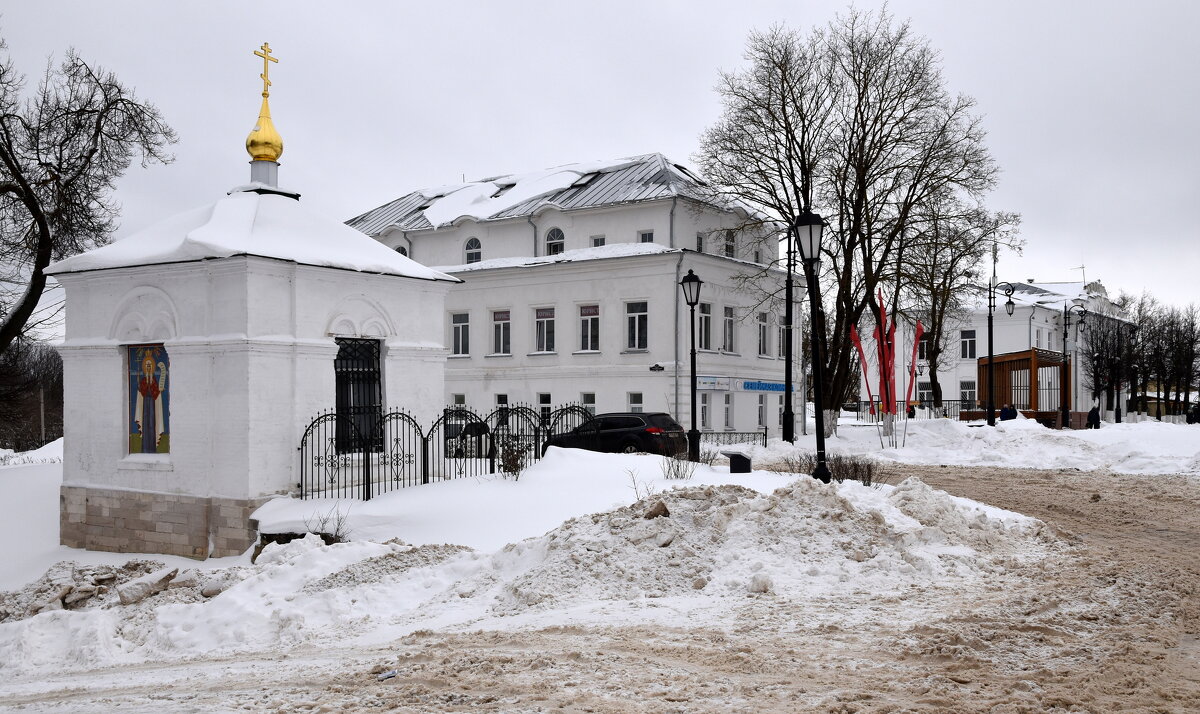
(574, 541)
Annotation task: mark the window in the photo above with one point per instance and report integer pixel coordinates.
(727, 334)
(460, 324)
(589, 328)
(1038, 334)
(925, 392)
(598, 241)
(968, 344)
(699, 242)
(555, 241)
(474, 250)
(762, 411)
(543, 329)
(730, 244)
(781, 411)
(358, 396)
(966, 391)
(501, 400)
(501, 332)
(923, 348)
(544, 406)
(459, 400)
(783, 338)
(764, 334)
(728, 410)
(637, 320)
(149, 400)
(705, 334)
(704, 398)
(635, 402)
(588, 400)
(645, 236)
(758, 256)
(402, 250)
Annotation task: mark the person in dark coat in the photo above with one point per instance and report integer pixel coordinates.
(1007, 413)
(1093, 420)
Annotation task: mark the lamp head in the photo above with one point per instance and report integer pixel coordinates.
(691, 288)
(1009, 307)
(809, 227)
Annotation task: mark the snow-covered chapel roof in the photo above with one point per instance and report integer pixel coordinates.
(583, 185)
(251, 220)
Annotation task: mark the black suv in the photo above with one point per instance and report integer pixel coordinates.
(626, 432)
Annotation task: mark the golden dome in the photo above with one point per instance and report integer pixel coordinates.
(264, 143)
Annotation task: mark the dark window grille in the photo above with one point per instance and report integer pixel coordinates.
(359, 395)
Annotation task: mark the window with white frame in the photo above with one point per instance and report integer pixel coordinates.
(1038, 334)
(589, 328)
(588, 400)
(555, 241)
(459, 400)
(923, 348)
(645, 236)
(637, 320)
(728, 410)
(764, 334)
(704, 404)
(543, 332)
(780, 411)
(728, 331)
(473, 250)
(783, 337)
(460, 325)
(544, 406)
(501, 332)
(925, 392)
(966, 392)
(597, 240)
(402, 250)
(968, 344)
(762, 411)
(699, 242)
(757, 256)
(635, 402)
(704, 330)
(730, 244)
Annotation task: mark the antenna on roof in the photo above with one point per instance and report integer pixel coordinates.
(1084, 269)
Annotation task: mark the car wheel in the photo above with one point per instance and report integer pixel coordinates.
(630, 448)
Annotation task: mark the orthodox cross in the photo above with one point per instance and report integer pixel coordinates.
(266, 55)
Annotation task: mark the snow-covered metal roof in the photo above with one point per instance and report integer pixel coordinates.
(573, 186)
(251, 221)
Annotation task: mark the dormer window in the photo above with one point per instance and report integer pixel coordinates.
(402, 250)
(474, 250)
(555, 241)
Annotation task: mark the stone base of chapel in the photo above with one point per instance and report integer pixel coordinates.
(146, 522)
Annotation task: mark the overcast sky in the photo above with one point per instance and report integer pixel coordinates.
(1091, 107)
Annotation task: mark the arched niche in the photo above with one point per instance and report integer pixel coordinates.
(359, 316)
(145, 314)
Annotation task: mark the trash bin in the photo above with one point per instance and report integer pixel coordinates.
(739, 462)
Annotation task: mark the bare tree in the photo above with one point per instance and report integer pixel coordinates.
(941, 268)
(61, 152)
(854, 120)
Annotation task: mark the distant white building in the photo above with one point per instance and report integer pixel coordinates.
(571, 292)
(1036, 324)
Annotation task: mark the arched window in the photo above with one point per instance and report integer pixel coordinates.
(555, 241)
(402, 250)
(474, 250)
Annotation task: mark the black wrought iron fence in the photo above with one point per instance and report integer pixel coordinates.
(345, 456)
(729, 438)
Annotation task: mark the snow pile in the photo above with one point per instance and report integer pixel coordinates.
(1143, 448)
(669, 557)
(51, 453)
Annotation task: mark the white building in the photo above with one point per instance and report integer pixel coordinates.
(1036, 324)
(198, 349)
(571, 291)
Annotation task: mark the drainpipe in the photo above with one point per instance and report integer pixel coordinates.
(534, 227)
(1032, 314)
(671, 229)
(675, 289)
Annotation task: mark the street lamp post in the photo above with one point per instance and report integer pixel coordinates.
(991, 370)
(808, 228)
(1075, 306)
(691, 295)
(789, 417)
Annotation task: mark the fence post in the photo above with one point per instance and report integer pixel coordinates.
(424, 459)
(365, 450)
